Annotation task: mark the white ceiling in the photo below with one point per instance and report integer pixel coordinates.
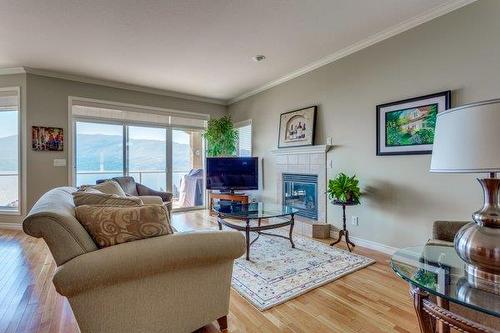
(198, 47)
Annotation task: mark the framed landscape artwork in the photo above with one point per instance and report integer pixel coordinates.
(407, 127)
(47, 138)
(297, 128)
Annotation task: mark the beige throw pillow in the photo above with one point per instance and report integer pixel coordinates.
(110, 187)
(115, 225)
(95, 197)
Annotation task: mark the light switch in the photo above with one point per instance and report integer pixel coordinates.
(59, 162)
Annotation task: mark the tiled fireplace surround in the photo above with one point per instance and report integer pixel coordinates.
(309, 160)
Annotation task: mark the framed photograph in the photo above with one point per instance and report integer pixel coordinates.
(47, 138)
(297, 128)
(407, 127)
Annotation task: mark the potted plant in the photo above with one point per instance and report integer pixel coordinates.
(221, 136)
(344, 189)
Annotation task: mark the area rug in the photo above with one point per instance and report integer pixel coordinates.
(277, 273)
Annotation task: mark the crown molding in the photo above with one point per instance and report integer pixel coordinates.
(122, 85)
(376, 38)
(108, 83)
(12, 70)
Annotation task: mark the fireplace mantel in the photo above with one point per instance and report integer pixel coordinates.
(306, 160)
(322, 149)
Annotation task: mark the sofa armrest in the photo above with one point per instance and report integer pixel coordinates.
(446, 230)
(144, 190)
(146, 257)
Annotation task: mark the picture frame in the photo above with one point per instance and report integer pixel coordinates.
(297, 128)
(407, 127)
(47, 138)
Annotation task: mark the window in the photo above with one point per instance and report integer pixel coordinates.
(9, 150)
(147, 156)
(160, 149)
(244, 129)
(99, 152)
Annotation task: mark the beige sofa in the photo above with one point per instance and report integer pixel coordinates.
(175, 283)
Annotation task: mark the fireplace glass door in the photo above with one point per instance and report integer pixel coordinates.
(301, 192)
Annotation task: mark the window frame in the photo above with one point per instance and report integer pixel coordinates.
(21, 157)
(71, 137)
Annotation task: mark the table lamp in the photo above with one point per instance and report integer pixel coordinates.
(467, 140)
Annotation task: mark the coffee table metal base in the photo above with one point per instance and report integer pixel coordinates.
(259, 228)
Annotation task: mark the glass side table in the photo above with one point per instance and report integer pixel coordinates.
(437, 270)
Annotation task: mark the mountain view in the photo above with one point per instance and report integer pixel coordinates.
(95, 151)
(8, 149)
(102, 153)
(105, 152)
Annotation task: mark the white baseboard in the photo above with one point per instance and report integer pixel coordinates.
(369, 244)
(11, 226)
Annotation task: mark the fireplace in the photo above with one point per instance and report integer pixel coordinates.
(301, 191)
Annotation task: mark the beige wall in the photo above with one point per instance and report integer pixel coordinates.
(459, 51)
(47, 101)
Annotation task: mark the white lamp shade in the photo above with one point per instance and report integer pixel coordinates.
(467, 139)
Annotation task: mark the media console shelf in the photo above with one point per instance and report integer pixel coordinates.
(237, 197)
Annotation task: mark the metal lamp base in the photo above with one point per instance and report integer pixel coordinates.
(478, 243)
(483, 280)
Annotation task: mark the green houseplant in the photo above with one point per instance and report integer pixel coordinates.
(222, 138)
(344, 188)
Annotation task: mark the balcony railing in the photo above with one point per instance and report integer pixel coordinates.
(140, 176)
(9, 190)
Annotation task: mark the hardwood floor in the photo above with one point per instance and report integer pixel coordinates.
(370, 300)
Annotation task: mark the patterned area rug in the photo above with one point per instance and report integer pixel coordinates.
(277, 273)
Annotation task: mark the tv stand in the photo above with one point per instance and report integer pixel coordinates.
(230, 196)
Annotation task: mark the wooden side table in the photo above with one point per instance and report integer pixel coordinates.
(235, 197)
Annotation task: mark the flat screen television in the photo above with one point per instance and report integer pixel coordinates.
(229, 174)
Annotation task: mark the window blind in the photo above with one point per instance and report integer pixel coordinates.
(131, 114)
(244, 138)
(8, 99)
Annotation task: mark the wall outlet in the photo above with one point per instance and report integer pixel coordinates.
(355, 220)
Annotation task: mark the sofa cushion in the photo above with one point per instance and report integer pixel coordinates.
(95, 197)
(128, 185)
(115, 225)
(151, 200)
(109, 187)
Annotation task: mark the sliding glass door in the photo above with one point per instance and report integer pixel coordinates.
(147, 156)
(187, 163)
(99, 151)
(161, 158)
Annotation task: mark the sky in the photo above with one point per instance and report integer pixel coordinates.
(8, 123)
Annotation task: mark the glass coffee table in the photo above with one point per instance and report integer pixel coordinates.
(249, 218)
(437, 270)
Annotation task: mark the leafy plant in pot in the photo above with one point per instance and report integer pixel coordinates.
(344, 189)
(222, 137)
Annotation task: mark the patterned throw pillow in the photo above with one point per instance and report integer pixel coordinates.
(108, 187)
(95, 197)
(115, 225)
